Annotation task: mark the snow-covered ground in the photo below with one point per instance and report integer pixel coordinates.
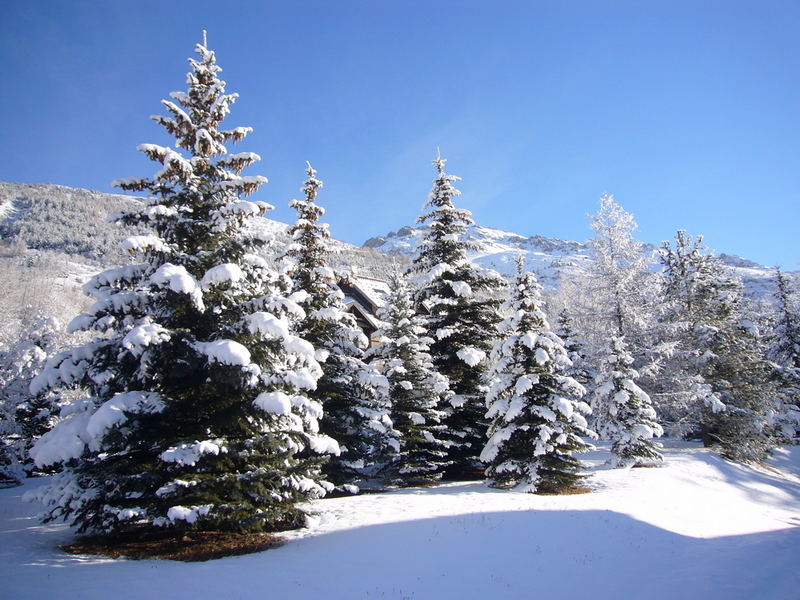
(699, 527)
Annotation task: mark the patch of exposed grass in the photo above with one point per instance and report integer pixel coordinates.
(549, 489)
(192, 547)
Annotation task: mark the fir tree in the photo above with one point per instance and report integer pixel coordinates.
(197, 415)
(11, 472)
(416, 390)
(785, 348)
(536, 412)
(461, 318)
(574, 347)
(716, 378)
(354, 395)
(784, 351)
(695, 299)
(34, 414)
(626, 416)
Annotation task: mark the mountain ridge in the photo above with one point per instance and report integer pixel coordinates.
(74, 221)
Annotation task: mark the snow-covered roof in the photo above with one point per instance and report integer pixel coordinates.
(375, 290)
(365, 295)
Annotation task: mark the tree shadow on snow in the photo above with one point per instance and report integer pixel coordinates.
(562, 554)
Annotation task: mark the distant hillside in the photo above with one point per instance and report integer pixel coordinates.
(74, 222)
(63, 219)
(552, 259)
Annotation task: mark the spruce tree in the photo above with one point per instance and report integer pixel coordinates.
(695, 299)
(34, 414)
(197, 415)
(716, 379)
(784, 351)
(626, 416)
(416, 390)
(11, 472)
(535, 409)
(458, 300)
(574, 346)
(785, 346)
(354, 395)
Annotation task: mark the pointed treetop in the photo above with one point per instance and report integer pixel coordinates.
(520, 262)
(205, 41)
(439, 162)
(312, 184)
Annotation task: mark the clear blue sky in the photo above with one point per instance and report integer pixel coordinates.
(687, 111)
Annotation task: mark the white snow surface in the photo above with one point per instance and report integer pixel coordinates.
(698, 528)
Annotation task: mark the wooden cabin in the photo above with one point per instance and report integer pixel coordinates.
(363, 296)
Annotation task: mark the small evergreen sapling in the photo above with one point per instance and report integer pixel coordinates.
(353, 394)
(33, 414)
(626, 417)
(537, 417)
(461, 317)
(197, 415)
(574, 347)
(11, 472)
(416, 390)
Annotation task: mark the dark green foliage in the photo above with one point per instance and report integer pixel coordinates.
(416, 390)
(354, 395)
(197, 416)
(534, 407)
(459, 302)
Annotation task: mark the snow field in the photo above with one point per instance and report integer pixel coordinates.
(699, 527)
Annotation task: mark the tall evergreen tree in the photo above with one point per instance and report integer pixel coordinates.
(784, 351)
(197, 415)
(536, 411)
(785, 348)
(462, 315)
(617, 291)
(416, 390)
(627, 418)
(695, 299)
(717, 378)
(353, 394)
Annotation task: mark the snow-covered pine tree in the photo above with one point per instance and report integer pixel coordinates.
(618, 281)
(574, 347)
(716, 379)
(11, 472)
(353, 394)
(461, 309)
(784, 351)
(627, 417)
(197, 415)
(535, 409)
(694, 298)
(416, 390)
(34, 414)
(785, 347)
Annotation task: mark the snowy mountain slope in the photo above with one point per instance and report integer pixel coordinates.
(63, 219)
(698, 528)
(74, 222)
(551, 259)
